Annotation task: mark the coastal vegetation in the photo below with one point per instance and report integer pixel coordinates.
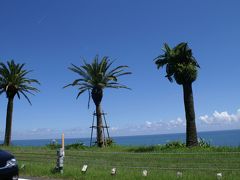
(94, 78)
(182, 66)
(161, 162)
(14, 81)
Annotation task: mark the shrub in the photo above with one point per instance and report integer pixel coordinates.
(175, 144)
(110, 142)
(75, 146)
(203, 143)
(53, 146)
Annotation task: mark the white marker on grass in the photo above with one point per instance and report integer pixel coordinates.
(219, 176)
(179, 174)
(84, 168)
(113, 171)
(145, 173)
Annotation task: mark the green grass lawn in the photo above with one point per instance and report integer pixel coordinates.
(161, 162)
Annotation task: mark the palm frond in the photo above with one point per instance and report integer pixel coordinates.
(14, 80)
(80, 92)
(117, 68)
(116, 85)
(174, 58)
(26, 97)
(161, 62)
(97, 75)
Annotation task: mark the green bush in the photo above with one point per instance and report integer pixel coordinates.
(75, 146)
(203, 143)
(174, 144)
(110, 142)
(53, 145)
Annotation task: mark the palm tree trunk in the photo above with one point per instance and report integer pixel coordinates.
(8, 129)
(97, 94)
(191, 131)
(100, 142)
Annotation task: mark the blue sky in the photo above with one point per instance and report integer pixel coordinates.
(50, 35)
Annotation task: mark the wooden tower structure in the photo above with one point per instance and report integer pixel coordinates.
(104, 129)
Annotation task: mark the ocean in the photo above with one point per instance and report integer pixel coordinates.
(216, 138)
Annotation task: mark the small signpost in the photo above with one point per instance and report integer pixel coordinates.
(60, 157)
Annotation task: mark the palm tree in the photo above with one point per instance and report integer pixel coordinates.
(94, 78)
(13, 81)
(182, 66)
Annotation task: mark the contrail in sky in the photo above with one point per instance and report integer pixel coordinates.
(42, 19)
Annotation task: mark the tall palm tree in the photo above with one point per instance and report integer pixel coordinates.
(182, 66)
(13, 81)
(94, 78)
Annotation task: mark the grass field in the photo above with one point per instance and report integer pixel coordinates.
(160, 162)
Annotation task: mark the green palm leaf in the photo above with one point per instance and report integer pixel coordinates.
(97, 75)
(180, 63)
(14, 80)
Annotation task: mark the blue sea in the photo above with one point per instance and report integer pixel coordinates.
(216, 138)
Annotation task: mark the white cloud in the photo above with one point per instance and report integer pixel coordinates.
(176, 123)
(148, 124)
(48, 133)
(41, 130)
(114, 129)
(156, 125)
(221, 118)
(148, 127)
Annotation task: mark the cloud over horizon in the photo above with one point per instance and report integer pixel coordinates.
(216, 121)
(221, 118)
(151, 127)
